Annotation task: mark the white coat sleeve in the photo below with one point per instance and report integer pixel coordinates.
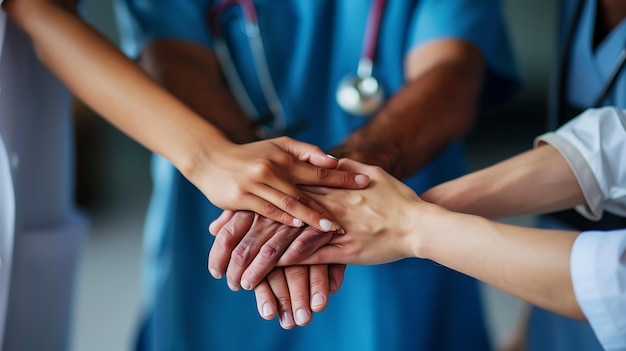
(598, 271)
(594, 145)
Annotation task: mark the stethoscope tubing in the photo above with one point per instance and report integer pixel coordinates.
(255, 43)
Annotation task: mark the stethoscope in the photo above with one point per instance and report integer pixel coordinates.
(359, 95)
(561, 104)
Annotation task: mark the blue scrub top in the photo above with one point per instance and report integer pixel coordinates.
(310, 46)
(589, 70)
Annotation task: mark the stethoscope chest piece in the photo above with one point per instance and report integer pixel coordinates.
(361, 94)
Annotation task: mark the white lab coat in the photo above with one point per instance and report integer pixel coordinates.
(41, 233)
(594, 145)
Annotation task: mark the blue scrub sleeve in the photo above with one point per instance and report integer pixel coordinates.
(141, 22)
(479, 22)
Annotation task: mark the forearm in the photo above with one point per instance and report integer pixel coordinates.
(436, 106)
(516, 186)
(532, 264)
(192, 73)
(116, 88)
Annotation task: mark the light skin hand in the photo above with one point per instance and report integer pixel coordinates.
(295, 291)
(261, 177)
(374, 219)
(247, 246)
(532, 264)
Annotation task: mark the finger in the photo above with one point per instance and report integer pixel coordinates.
(298, 282)
(265, 300)
(261, 230)
(319, 282)
(336, 274)
(278, 283)
(257, 203)
(326, 254)
(304, 245)
(308, 174)
(318, 167)
(268, 255)
(219, 222)
(293, 203)
(226, 239)
(307, 152)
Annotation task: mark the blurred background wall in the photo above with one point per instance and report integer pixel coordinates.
(113, 183)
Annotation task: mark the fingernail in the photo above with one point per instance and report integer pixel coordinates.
(268, 309)
(302, 316)
(331, 156)
(287, 321)
(325, 224)
(246, 284)
(232, 286)
(297, 222)
(361, 179)
(317, 300)
(340, 231)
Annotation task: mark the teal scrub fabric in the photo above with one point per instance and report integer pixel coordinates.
(589, 70)
(310, 46)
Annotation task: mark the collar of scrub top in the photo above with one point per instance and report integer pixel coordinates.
(274, 124)
(564, 62)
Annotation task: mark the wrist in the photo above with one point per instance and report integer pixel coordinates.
(426, 228)
(199, 152)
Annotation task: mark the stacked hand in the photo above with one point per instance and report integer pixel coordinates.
(378, 221)
(247, 248)
(263, 176)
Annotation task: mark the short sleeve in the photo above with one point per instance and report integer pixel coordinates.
(598, 271)
(478, 22)
(594, 145)
(143, 21)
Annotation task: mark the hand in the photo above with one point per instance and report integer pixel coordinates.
(293, 292)
(261, 177)
(247, 247)
(377, 220)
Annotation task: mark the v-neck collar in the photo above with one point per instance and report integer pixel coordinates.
(589, 68)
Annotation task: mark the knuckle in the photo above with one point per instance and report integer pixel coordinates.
(344, 178)
(288, 203)
(301, 246)
(268, 209)
(318, 280)
(321, 173)
(262, 168)
(284, 301)
(240, 255)
(268, 252)
(283, 159)
(301, 198)
(296, 272)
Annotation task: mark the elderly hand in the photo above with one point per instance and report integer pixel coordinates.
(293, 292)
(247, 246)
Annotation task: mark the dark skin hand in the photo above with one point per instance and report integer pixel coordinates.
(436, 106)
(192, 73)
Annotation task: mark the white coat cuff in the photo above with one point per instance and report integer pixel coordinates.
(584, 174)
(598, 271)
